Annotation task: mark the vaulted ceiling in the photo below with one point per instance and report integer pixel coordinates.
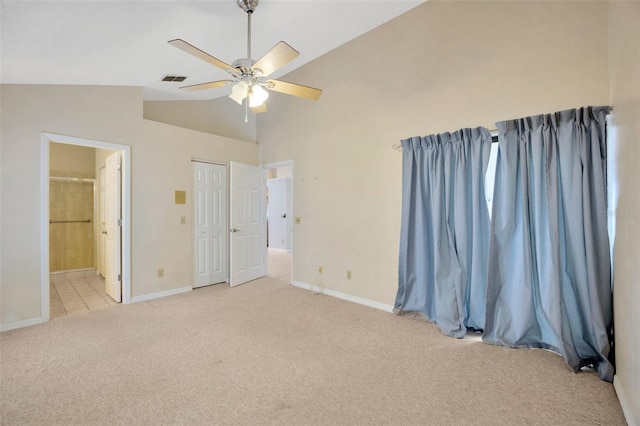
(125, 42)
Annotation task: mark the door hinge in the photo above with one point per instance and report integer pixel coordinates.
(119, 222)
(120, 277)
(119, 166)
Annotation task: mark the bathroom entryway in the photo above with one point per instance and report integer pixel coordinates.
(77, 220)
(82, 270)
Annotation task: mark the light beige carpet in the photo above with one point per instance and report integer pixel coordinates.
(269, 353)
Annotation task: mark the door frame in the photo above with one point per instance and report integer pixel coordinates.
(125, 253)
(292, 210)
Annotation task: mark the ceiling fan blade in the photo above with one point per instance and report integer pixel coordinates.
(205, 86)
(259, 109)
(192, 50)
(295, 89)
(279, 56)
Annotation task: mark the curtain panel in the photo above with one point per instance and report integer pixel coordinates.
(444, 234)
(549, 276)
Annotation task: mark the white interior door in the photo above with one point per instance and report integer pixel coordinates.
(112, 272)
(248, 242)
(279, 216)
(210, 223)
(102, 229)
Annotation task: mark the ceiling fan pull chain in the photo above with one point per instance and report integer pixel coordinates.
(246, 109)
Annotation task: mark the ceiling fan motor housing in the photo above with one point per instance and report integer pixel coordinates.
(248, 5)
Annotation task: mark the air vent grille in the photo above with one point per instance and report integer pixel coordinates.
(174, 78)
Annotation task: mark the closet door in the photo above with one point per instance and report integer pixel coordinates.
(210, 223)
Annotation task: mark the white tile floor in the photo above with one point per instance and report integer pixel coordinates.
(77, 291)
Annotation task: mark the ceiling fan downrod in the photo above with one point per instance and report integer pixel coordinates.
(248, 6)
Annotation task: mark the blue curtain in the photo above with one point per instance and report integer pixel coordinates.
(549, 278)
(445, 229)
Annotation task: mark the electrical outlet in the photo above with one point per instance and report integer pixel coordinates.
(160, 273)
(348, 275)
(320, 269)
(183, 220)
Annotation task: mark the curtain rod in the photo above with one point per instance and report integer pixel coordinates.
(398, 147)
(494, 133)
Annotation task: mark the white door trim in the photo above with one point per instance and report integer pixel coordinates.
(44, 212)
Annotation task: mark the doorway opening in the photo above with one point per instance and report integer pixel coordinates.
(84, 241)
(280, 220)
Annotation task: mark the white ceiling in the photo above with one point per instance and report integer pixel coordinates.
(124, 43)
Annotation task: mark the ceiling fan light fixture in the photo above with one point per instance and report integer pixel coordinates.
(250, 83)
(257, 96)
(239, 92)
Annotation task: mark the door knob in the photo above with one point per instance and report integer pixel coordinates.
(104, 232)
(234, 230)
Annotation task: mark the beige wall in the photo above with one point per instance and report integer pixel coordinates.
(110, 114)
(167, 167)
(160, 163)
(624, 176)
(220, 116)
(440, 67)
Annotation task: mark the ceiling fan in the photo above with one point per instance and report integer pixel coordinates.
(250, 82)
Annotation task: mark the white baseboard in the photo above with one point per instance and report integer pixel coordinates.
(624, 402)
(344, 296)
(20, 324)
(158, 295)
